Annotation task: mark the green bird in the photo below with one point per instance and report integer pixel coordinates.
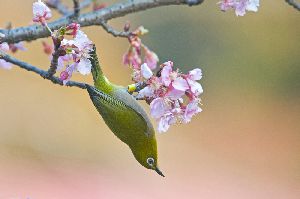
(124, 116)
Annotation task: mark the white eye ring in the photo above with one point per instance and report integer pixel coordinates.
(150, 161)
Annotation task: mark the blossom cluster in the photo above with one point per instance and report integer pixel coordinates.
(133, 57)
(174, 97)
(76, 54)
(240, 6)
(73, 54)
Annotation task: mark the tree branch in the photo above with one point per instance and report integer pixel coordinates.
(85, 4)
(76, 8)
(34, 32)
(61, 8)
(54, 62)
(112, 31)
(64, 10)
(293, 3)
(39, 71)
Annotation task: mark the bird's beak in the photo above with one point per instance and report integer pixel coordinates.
(159, 172)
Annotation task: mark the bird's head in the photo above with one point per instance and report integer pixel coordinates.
(146, 155)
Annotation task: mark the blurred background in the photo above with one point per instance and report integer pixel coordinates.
(245, 143)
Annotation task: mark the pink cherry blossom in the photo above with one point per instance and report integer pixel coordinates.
(132, 58)
(195, 88)
(191, 109)
(146, 71)
(66, 75)
(62, 60)
(4, 64)
(17, 46)
(165, 122)
(195, 74)
(158, 107)
(79, 49)
(151, 58)
(84, 66)
(4, 46)
(72, 29)
(240, 6)
(166, 74)
(227, 4)
(41, 12)
(165, 94)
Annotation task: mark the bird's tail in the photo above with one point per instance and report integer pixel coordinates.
(91, 90)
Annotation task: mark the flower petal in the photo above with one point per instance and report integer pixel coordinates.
(195, 74)
(180, 84)
(165, 74)
(146, 71)
(84, 66)
(158, 107)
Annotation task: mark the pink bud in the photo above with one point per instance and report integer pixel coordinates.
(41, 12)
(64, 76)
(73, 27)
(48, 49)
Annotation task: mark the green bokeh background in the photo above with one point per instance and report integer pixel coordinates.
(245, 143)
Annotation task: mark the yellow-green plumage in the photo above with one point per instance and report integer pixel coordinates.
(124, 116)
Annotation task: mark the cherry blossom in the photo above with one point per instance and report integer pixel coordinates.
(4, 46)
(172, 95)
(10, 47)
(150, 58)
(77, 56)
(72, 29)
(4, 64)
(17, 46)
(133, 57)
(240, 6)
(41, 12)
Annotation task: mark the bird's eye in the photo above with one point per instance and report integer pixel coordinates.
(150, 161)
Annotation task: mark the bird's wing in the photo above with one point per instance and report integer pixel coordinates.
(121, 104)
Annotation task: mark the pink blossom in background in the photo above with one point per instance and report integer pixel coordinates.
(240, 6)
(41, 12)
(17, 46)
(4, 64)
(4, 46)
(48, 48)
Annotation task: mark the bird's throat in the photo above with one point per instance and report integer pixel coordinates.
(100, 81)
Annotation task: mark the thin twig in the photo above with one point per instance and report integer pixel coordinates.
(293, 3)
(76, 8)
(114, 32)
(85, 3)
(64, 10)
(61, 8)
(39, 71)
(53, 67)
(34, 32)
